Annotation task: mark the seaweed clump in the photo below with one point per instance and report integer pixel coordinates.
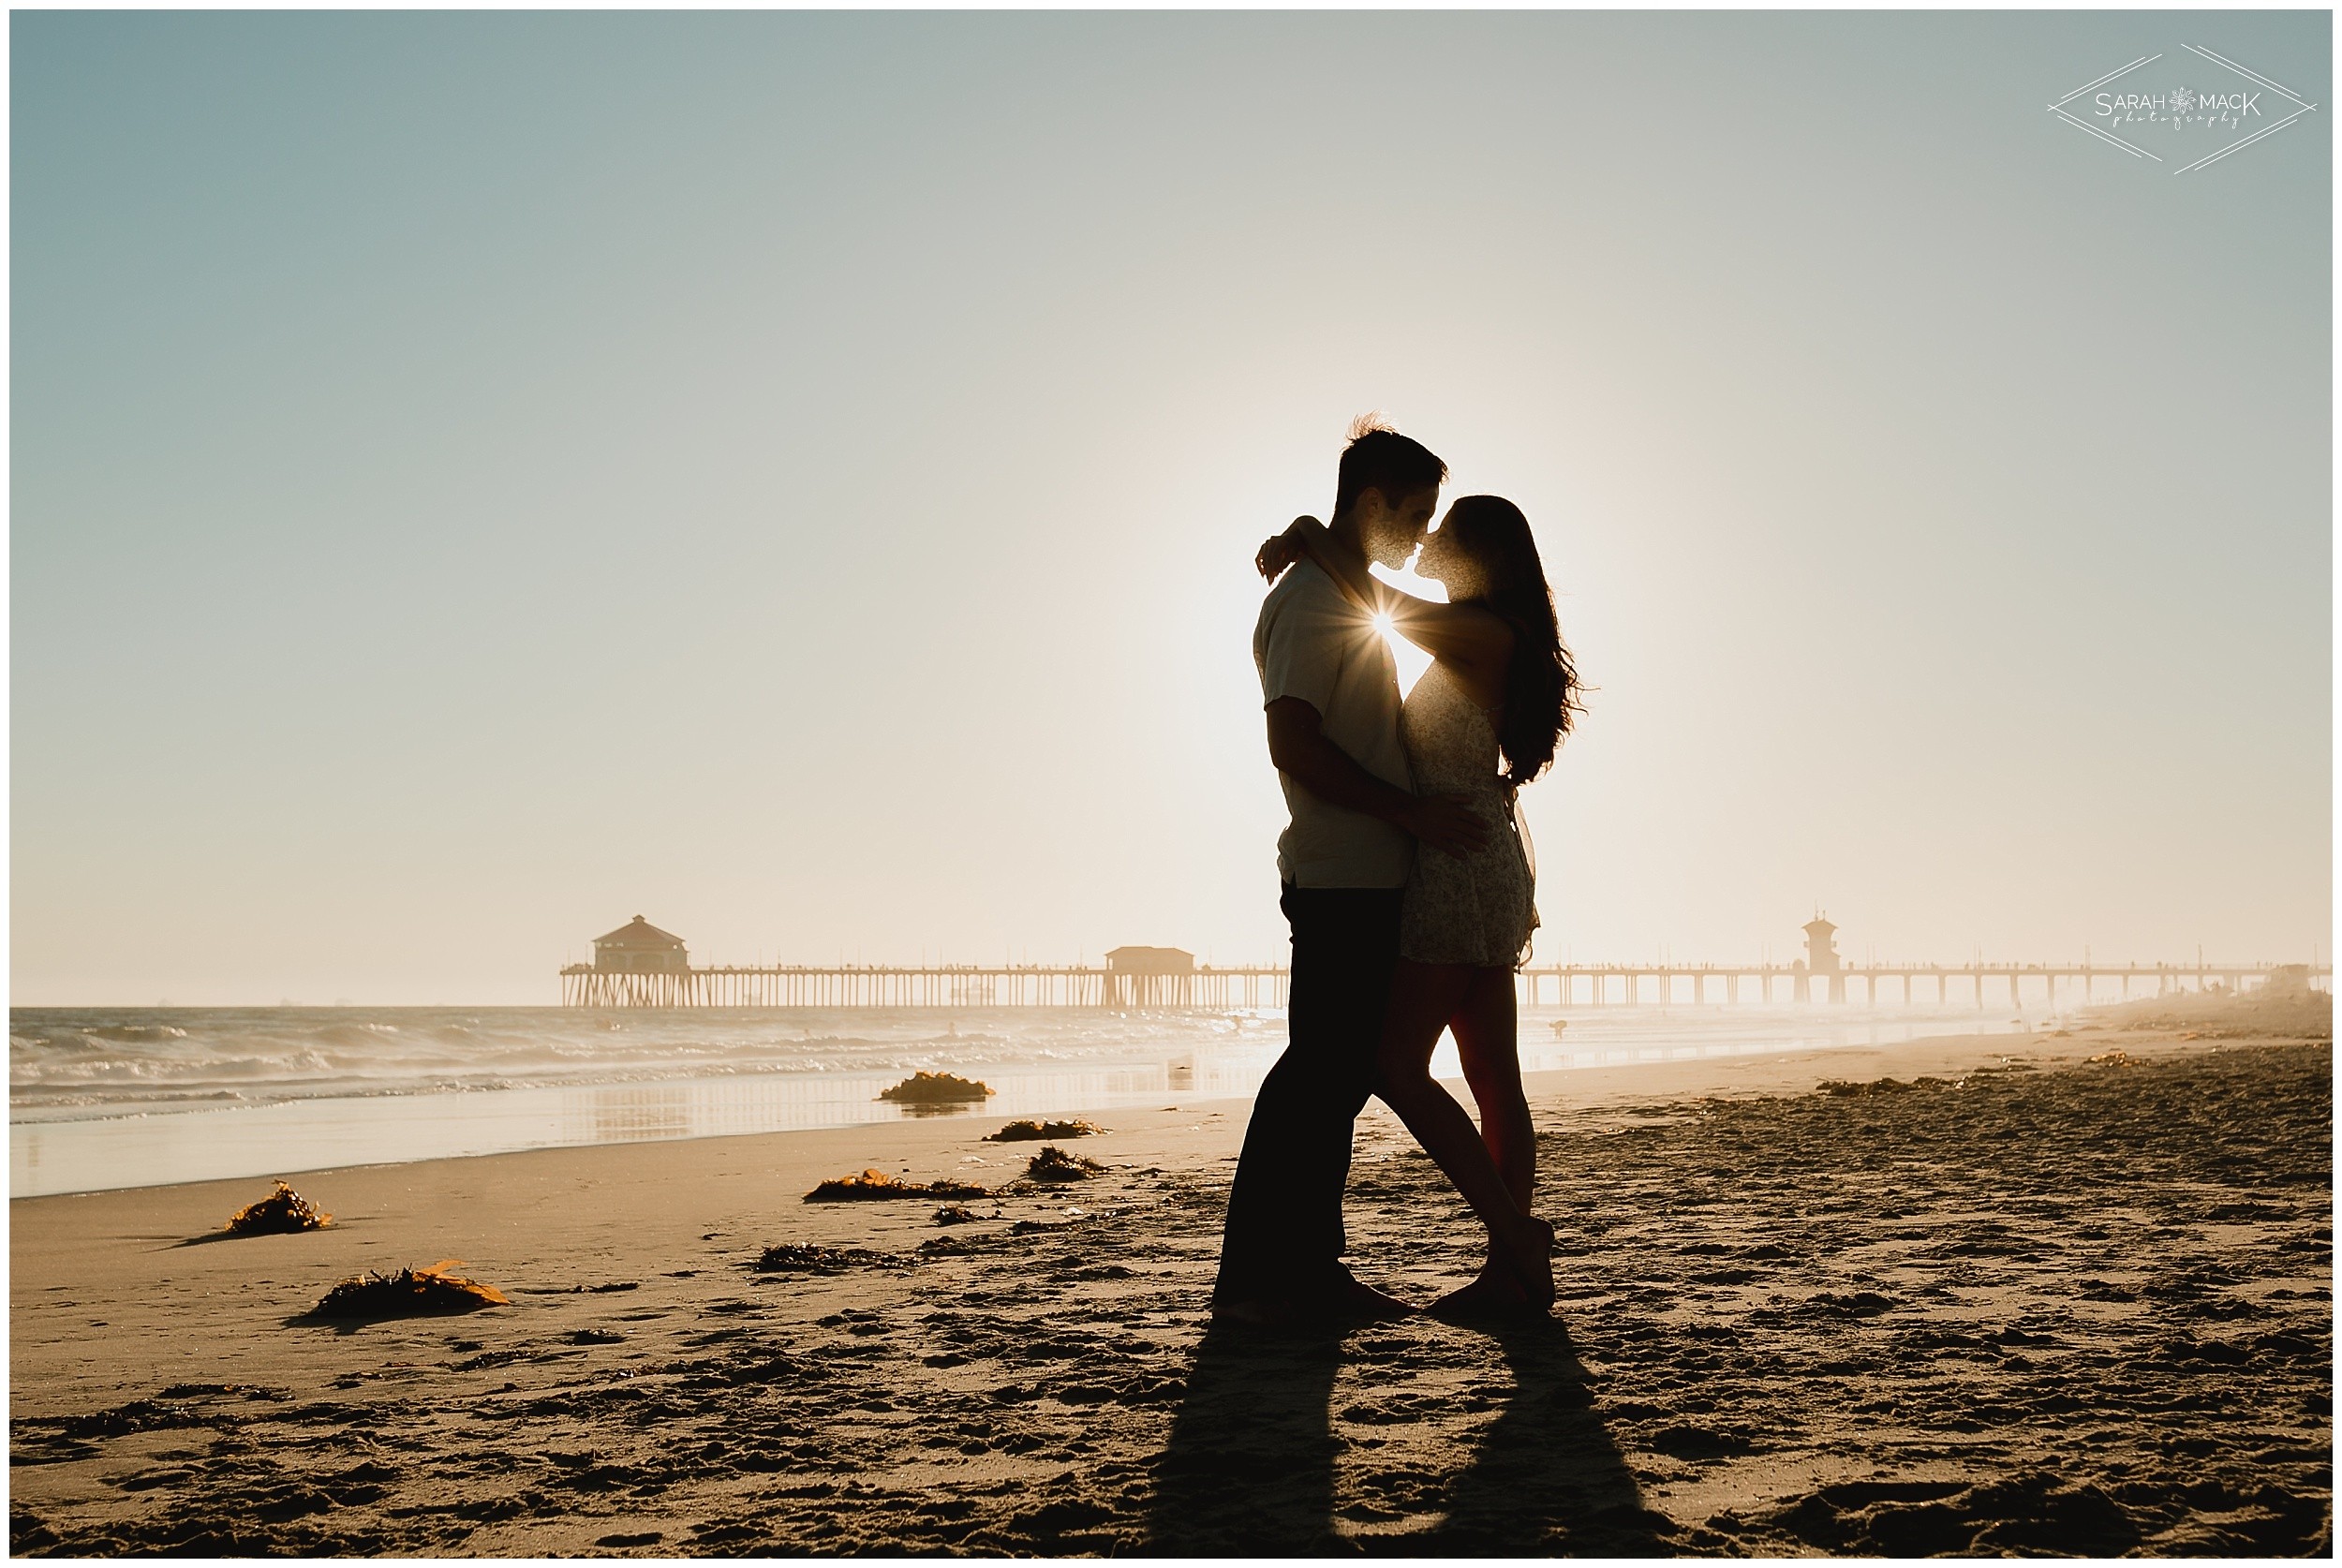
(796, 1257)
(1032, 1132)
(1054, 1165)
(872, 1185)
(410, 1293)
(938, 1088)
(1838, 1089)
(281, 1213)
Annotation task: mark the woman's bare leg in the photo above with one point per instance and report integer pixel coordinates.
(1424, 999)
(1487, 1039)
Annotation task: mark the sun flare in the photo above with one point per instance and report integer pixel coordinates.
(1412, 661)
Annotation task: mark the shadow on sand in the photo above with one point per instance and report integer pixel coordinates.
(1249, 1466)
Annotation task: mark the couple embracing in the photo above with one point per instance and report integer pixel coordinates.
(1407, 881)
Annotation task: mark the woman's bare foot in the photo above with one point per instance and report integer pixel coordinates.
(1526, 1247)
(1494, 1294)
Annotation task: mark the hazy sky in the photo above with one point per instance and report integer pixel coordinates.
(477, 478)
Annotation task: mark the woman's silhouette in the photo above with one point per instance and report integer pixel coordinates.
(1484, 721)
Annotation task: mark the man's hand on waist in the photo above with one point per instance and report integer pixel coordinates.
(1447, 824)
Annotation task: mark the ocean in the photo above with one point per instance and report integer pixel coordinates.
(129, 1097)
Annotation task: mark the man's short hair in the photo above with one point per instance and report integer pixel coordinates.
(1379, 458)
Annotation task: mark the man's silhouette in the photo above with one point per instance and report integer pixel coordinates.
(1331, 692)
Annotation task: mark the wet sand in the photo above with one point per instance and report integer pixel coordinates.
(2040, 1305)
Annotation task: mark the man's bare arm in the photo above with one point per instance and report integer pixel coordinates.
(1298, 747)
(1464, 635)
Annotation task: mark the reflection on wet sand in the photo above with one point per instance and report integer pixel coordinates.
(146, 1149)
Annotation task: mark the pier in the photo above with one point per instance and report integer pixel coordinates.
(1875, 985)
(638, 965)
(945, 985)
(1241, 990)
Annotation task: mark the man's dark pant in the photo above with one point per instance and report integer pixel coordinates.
(1284, 1234)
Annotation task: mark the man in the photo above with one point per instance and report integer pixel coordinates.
(1331, 693)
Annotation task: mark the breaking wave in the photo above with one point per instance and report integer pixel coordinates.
(66, 1064)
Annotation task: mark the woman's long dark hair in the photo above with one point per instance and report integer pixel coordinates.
(1541, 684)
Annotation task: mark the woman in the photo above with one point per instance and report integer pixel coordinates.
(1485, 719)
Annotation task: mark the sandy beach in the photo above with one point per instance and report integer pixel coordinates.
(2034, 1303)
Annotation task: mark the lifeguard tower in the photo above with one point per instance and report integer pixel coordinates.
(1821, 958)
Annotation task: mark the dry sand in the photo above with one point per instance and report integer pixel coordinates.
(2045, 1306)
